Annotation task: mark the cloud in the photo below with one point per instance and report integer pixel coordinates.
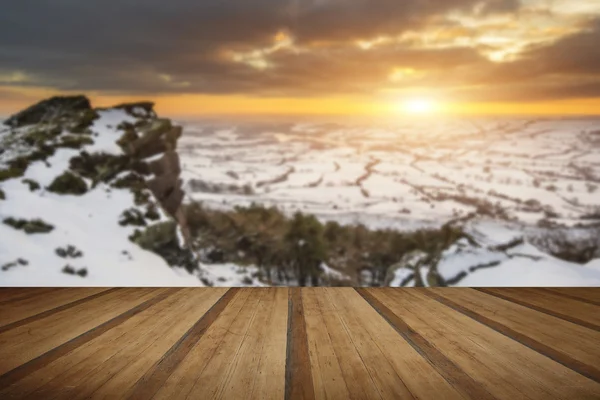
(566, 68)
(188, 46)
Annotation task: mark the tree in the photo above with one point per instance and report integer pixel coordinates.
(306, 247)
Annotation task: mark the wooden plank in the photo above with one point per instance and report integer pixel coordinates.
(327, 377)
(213, 382)
(298, 378)
(147, 385)
(52, 311)
(246, 367)
(58, 343)
(460, 381)
(558, 306)
(147, 341)
(204, 372)
(360, 377)
(183, 378)
(64, 371)
(35, 303)
(587, 295)
(269, 382)
(505, 368)
(569, 344)
(16, 294)
(395, 367)
(123, 384)
(78, 373)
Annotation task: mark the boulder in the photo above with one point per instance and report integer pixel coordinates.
(173, 135)
(173, 201)
(48, 110)
(162, 186)
(168, 163)
(145, 149)
(156, 129)
(150, 143)
(140, 109)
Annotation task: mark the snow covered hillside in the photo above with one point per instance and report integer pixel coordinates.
(74, 206)
(121, 197)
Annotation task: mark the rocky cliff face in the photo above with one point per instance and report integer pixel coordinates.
(63, 160)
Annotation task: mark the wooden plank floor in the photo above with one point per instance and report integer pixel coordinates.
(312, 343)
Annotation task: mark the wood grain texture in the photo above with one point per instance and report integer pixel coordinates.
(299, 343)
(21, 358)
(20, 308)
(461, 381)
(504, 367)
(574, 311)
(88, 295)
(587, 295)
(396, 368)
(559, 340)
(298, 376)
(155, 377)
(12, 295)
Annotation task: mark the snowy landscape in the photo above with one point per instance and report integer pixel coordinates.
(532, 183)
(451, 202)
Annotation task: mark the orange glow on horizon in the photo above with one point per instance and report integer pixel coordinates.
(192, 105)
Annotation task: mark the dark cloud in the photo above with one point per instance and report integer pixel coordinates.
(125, 46)
(567, 68)
(575, 54)
(498, 6)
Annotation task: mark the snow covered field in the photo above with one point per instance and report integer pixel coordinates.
(509, 183)
(513, 178)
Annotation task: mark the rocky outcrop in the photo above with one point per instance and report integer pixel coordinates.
(148, 165)
(155, 138)
(50, 110)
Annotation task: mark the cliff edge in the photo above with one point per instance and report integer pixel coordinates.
(92, 196)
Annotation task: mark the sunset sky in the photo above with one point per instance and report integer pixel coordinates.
(371, 57)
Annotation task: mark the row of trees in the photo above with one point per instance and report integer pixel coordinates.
(292, 249)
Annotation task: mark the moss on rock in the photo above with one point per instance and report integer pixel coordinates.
(33, 185)
(152, 213)
(41, 134)
(29, 226)
(173, 135)
(75, 141)
(18, 166)
(68, 183)
(10, 173)
(129, 181)
(21, 163)
(42, 153)
(141, 196)
(99, 167)
(68, 252)
(82, 272)
(157, 235)
(132, 217)
(54, 108)
(128, 137)
(151, 142)
(162, 239)
(83, 120)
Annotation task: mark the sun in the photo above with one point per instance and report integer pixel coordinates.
(419, 106)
